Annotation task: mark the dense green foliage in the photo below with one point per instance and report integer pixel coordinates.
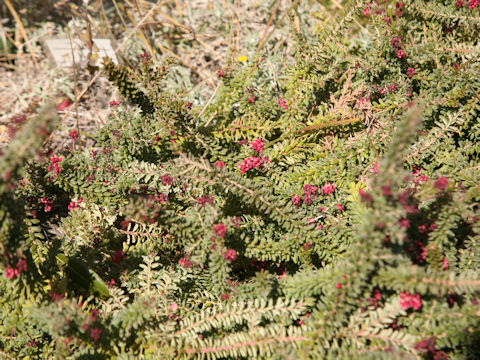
(321, 208)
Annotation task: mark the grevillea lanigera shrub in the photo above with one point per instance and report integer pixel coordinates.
(327, 210)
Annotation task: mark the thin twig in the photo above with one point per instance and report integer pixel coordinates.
(22, 31)
(260, 44)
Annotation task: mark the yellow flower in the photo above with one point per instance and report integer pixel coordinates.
(242, 58)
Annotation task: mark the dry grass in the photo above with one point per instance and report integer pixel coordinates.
(200, 34)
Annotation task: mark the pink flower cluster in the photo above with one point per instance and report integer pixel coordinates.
(54, 160)
(309, 191)
(409, 301)
(257, 145)
(401, 54)
(118, 256)
(49, 205)
(251, 163)
(230, 255)
(418, 177)
(207, 199)
(327, 189)
(22, 266)
(185, 262)
(427, 347)
(95, 333)
(73, 134)
(365, 197)
(441, 183)
(362, 101)
(73, 205)
(375, 299)
(167, 180)
(219, 164)
(296, 200)
(220, 230)
(114, 103)
(282, 103)
(472, 4)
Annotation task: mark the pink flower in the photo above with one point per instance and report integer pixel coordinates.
(366, 11)
(56, 297)
(427, 345)
(63, 105)
(307, 246)
(282, 103)
(459, 3)
(251, 100)
(118, 256)
(403, 197)
(396, 41)
(224, 297)
(309, 189)
(220, 230)
(257, 145)
(185, 262)
(374, 169)
(338, 286)
(386, 191)
(73, 205)
(95, 333)
(401, 54)
(114, 103)
(10, 273)
(73, 134)
(94, 314)
(219, 164)
(365, 197)
(444, 264)
(207, 199)
(339, 207)
(167, 180)
(173, 307)
(220, 73)
(408, 301)
(49, 205)
(230, 255)
(423, 178)
(392, 88)
(410, 72)
(405, 223)
(22, 265)
(144, 56)
(54, 160)
(441, 183)
(377, 295)
(327, 189)
(296, 200)
(472, 4)
(252, 163)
